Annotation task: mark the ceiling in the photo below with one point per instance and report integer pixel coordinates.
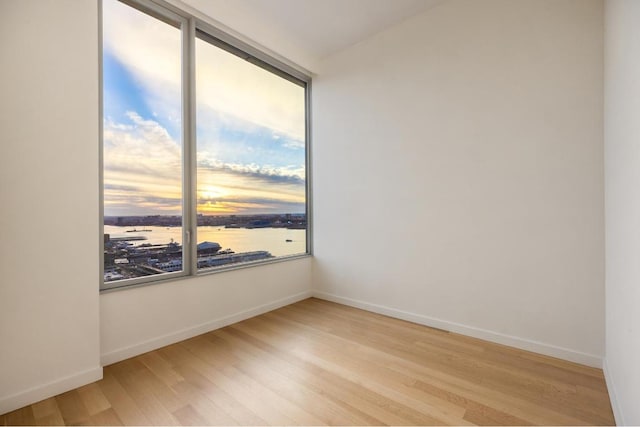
(306, 31)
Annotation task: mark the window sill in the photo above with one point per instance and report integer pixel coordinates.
(207, 272)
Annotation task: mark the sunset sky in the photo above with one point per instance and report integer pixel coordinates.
(250, 125)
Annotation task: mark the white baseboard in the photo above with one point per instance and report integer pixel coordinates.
(45, 391)
(174, 337)
(613, 395)
(512, 341)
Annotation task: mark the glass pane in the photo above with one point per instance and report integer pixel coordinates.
(142, 94)
(251, 161)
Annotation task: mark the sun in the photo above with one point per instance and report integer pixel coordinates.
(210, 192)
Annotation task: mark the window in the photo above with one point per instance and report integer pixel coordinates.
(204, 149)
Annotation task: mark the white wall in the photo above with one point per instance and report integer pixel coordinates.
(49, 207)
(141, 319)
(238, 19)
(459, 173)
(622, 166)
(54, 325)
(458, 182)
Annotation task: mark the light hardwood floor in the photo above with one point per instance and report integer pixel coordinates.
(316, 362)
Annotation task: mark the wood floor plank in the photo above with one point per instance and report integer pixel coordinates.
(147, 383)
(507, 379)
(200, 379)
(400, 412)
(93, 399)
(496, 369)
(203, 349)
(416, 409)
(312, 378)
(479, 414)
(160, 368)
(47, 413)
(50, 420)
(120, 400)
(453, 370)
(209, 404)
(44, 408)
(108, 417)
(20, 417)
(243, 390)
(321, 363)
(72, 408)
(134, 381)
(364, 401)
(289, 387)
(190, 417)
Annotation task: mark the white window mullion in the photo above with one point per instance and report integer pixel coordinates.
(189, 111)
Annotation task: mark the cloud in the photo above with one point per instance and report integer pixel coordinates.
(233, 138)
(267, 174)
(229, 84)
(251, 125)
(142, 167)
(143, 175)
(248, 188)
(293, 143)
(150, 48)
(125, 188)
(136, 203)
(225, 83)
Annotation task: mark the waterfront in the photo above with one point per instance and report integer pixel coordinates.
(274, 240)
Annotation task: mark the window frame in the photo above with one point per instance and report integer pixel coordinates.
(191, 26)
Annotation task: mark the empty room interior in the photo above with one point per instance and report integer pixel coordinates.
(320, 212)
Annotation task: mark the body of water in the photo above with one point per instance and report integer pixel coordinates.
(274, 240)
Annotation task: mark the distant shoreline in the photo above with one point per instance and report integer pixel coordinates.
(283, 220)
